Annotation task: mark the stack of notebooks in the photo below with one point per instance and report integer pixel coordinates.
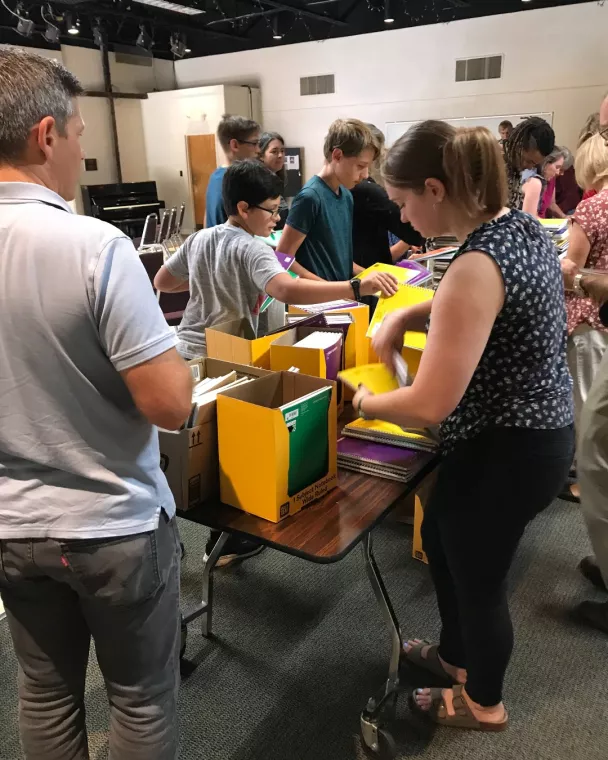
(331, 345)
(559, 232)
(377, 459)
(419, 439)
(206, 390)
(317, 308)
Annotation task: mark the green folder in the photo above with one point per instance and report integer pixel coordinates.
(306, 420)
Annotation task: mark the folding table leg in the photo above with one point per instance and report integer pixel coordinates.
(208, 566)
(205, 609)
(374, 736)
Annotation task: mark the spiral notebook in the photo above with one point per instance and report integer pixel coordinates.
(407, 295)
(406, 272)
(421, 439)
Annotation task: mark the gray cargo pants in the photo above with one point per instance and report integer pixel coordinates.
(124, 592)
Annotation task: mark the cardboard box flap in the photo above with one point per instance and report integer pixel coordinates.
(239, 328)
(277, 389)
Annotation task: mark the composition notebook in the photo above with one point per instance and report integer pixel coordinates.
(306, 420)
(407, 295)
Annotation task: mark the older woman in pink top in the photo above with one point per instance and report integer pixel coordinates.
(588, 249)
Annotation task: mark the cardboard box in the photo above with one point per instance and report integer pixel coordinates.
(310, 361)
(236, 342)
(417, 550)
(189, 457)
(254, 446)
(356, 344)
(423, 494)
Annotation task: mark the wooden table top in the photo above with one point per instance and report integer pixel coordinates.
(326, 530)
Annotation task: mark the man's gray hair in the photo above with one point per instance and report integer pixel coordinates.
(31, 88)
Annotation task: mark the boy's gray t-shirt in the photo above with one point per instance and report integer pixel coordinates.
(228, 271)
(77, 458)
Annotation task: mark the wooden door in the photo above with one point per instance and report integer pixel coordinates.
(202, 162)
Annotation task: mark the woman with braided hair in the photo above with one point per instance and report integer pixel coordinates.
(529, 144)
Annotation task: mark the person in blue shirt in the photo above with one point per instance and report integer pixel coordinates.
(239, 138)
(320, 222)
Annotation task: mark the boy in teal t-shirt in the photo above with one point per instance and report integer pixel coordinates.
(319, 226)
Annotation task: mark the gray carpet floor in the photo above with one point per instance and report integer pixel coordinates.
(299, 648)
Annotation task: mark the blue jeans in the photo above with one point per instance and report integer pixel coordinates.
(124, 593)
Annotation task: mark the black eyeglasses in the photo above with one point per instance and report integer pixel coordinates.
(255, 143)
(272, 211)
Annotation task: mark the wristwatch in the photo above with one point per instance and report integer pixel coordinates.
(355, 284)
(578, 288)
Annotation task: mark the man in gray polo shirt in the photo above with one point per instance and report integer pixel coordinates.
(88, 543)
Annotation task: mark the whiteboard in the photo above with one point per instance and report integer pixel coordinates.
(394, 129)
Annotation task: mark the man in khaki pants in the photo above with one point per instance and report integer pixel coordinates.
(592, 454)
(88, 541)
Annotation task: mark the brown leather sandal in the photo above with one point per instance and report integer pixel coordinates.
(431, 663)
(463, 716)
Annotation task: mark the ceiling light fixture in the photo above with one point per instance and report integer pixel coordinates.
(388, 18)
(178, 46)
(25, 25)
(276, 33)
(99, 34)
(52, 31)
(73, 27)
(144, 40)
(175, 7)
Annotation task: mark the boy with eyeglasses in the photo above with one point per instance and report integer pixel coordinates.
(229, 273)
(239, 138)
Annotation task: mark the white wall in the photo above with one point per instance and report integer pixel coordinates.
(555, 60)
(97, 138)
(168, 117)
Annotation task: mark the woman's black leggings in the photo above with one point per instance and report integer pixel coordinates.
(487, 490)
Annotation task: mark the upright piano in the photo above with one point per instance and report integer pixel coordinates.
(125, 205)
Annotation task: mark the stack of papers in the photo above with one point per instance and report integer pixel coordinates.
(559, 232)
(316, 308)
(206, 391)
(379, 459)
(377, 431)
